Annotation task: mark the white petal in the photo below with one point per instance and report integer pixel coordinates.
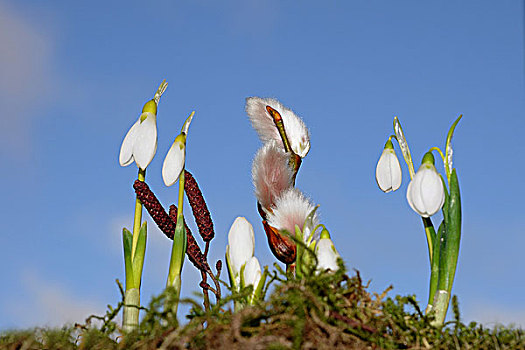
(395, 170)
(252, 272)
(241, 243)
(145, 144)
(326, 255)
(174, 162)
(414, 193)
(383, 172)
(126, 150)
(432, 192)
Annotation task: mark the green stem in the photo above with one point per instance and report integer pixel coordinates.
(434, 267)
(138, 215)
(178, 249)
(431, 236)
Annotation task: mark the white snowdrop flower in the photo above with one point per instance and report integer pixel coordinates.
(174, 162)
(292, 208)
(388, 170)
(252, 272)
(326, 253)
(263, 123)
(140, 143)
(425, 193)
(241, 246)
(271, 173)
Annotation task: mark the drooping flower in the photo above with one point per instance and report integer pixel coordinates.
(293, 208)
(263, 122)
(240, 248)
(174, 162)
(388, 170)
(425, 193)
(271, 173)
(140, 143)
(326, 253)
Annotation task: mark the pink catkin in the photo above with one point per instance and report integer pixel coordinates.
(271, 174)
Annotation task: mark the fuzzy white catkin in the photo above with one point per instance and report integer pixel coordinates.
(271, 173)
(263, 123)
(292, 208)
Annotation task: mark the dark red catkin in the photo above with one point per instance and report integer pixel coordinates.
(199, 208)
(154, 208)
(192, 249)
(166, 223)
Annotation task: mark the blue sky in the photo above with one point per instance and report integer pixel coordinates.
(75, 76)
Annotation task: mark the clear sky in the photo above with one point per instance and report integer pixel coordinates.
(75, 75)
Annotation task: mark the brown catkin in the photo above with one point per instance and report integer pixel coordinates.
(199, 208)
(167, 223)
(154, 208)
(192, 248)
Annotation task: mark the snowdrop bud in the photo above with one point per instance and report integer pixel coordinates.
(271, 173)
(174, 161)
(388, 170)
(252, 272)
(326, 254)
(241, 245)
(425, 193)
(263, 122)
(292, 208)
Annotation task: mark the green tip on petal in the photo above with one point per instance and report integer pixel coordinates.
(150, 106)
(325, 234)
(389, 145)
(428, 158)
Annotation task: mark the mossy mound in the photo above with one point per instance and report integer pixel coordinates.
(323, 311)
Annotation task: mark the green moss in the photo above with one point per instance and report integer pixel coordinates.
(325, 311)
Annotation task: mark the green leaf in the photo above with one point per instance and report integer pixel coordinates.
(445, 204)
(299, 251)
(453, 227)
(140, 251)
(260, 287)
(448, 150)
(233, 284)
(127, 240)
(177, 251)
(434, 267)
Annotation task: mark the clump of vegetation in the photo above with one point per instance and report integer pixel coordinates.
(320, 311)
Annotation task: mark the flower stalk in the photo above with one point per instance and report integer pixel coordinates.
(139, 146)
(428, 193)
(173, 169)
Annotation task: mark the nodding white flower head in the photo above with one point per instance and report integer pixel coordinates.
(326, 253)
(293, 208)
(263, 123)
(140, 143)
(425, 193)
(271, 173)
(252, 272)
(241, 246)
(174, 162)
(388, 170)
